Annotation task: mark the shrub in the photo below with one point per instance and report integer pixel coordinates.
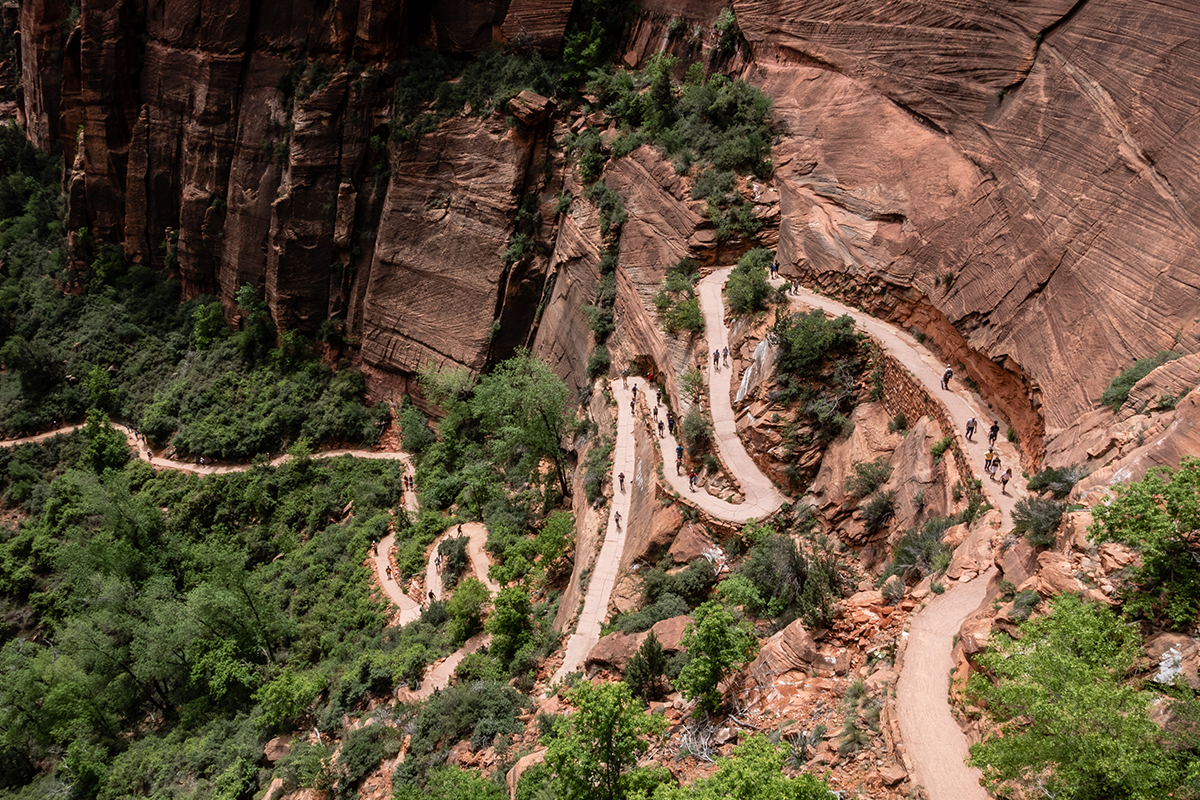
(685, 316)
(645, 671)
(940, 447)
(1118, 391)
(1024, 603)
(1058, 481)
(696, 431)
(921, 552)
(454, 559)
(747, 289)
(868, 476)
(878, 510)
(362, 750)
(608, 203)
(805, 340)
(599, 362)
(1037, 518)
(666, 605)
(898, 423)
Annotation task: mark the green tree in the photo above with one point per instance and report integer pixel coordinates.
(596, 749)
(510, 624)
(98, 384)
(451, 783)
(1156, 515)
(466, 608)
(805, 340)
(209, 325)
(646, 668)
(718, 646)
(522, 407)
(1069, 725)
(754, 772)
(107, 448)
(747, 289)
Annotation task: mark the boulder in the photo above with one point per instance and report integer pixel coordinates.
(531, 108)
(277, 748)
(518, 769)
(791, 649)
(615, 649)
(1115, 556)
(1175, 655)
(1018, 562)
(892, 773)
(692, 542)
(645, 543)
(1054, 576)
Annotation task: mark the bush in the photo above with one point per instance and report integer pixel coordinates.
(868, 476)
(940, 447)
(666, 605)
(1058, 481)
(898, 423)
(684, 315)
(806, 340)
(696, 431)
(645, 671)
(599, 362)
(1118, 391)
(878, 510)
(362, 750)
(693, 585)
(454, 559)
(921, 552)
(1024, 603)
(608, 203)
(747, 289)
(1037, 518)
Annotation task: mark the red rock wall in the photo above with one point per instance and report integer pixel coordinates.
(1041, 155)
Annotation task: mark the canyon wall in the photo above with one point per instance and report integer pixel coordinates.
(1018, 181)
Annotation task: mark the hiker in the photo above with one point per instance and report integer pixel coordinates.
(971, 423)
(1004, 479)
(389, 572)
(692, 480)
(617, 519)
(633, 405)
(993, 432)
(995, 466)
(431, 595)
(679, 466)
(671, 423)
(716, 358)
(621, 478)
(655, 410)
(635, 390)
(658, 395)
(625, 377)
(679, 451)
(946, 376)
(987, 459)
(725, 355)
(375, 547)
(660, 429)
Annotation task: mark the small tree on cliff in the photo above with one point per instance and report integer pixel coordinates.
(718, 646)
(522, 407)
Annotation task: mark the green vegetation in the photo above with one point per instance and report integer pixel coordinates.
(1070, 722)
(747, 290)
(676, 300)
(753, 772)
(868, 476)
(806, 340)
(646, 668)
(1058, 481)
(1036, 518)
(940, 447)
(921, 551)
(595, 751)
(1118, 391)
(1156, 516)
(785, 583)
(717, 646)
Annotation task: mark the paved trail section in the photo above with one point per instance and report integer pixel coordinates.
(936, 745)
(603, 575)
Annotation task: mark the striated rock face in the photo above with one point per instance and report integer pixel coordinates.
(1038, 157)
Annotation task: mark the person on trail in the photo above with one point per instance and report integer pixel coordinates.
(1004, 479)
(716, 358)
(389, 572)
(692, 480)
(617, 519)
(635, 391)
(655, 410)
(679, 466)
(633, 406)
(725, 355)
(671, 424)
(625, 377)
(946, 376)
(679, 451)
(971, 423)
(621, 479)
(460, 529)
(993, 432)
(660, 429)
(658, 395)
(987, 460)
(995, 466)
(431, 595)
(375, 547)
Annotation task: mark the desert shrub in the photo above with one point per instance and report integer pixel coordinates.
(921, 551)
(1118, 391)
(608, 203)
(790, 583)
(1058, 481)
(868, 476)
(599, 362)
(747, 289)
(1024, 603)
(646, 669)
(685, 316)
(362, 750)
(454, 559)
(414, 429)
(696, 431)
(940, 447)
(597, 469)
(877, 510)
(806, 340)
(666, 605)
(1037, 519)
(693, 584)
(898, 423)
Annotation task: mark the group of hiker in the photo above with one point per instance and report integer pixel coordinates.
(991, 459)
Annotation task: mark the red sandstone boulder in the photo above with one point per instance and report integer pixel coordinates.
(692, 542)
